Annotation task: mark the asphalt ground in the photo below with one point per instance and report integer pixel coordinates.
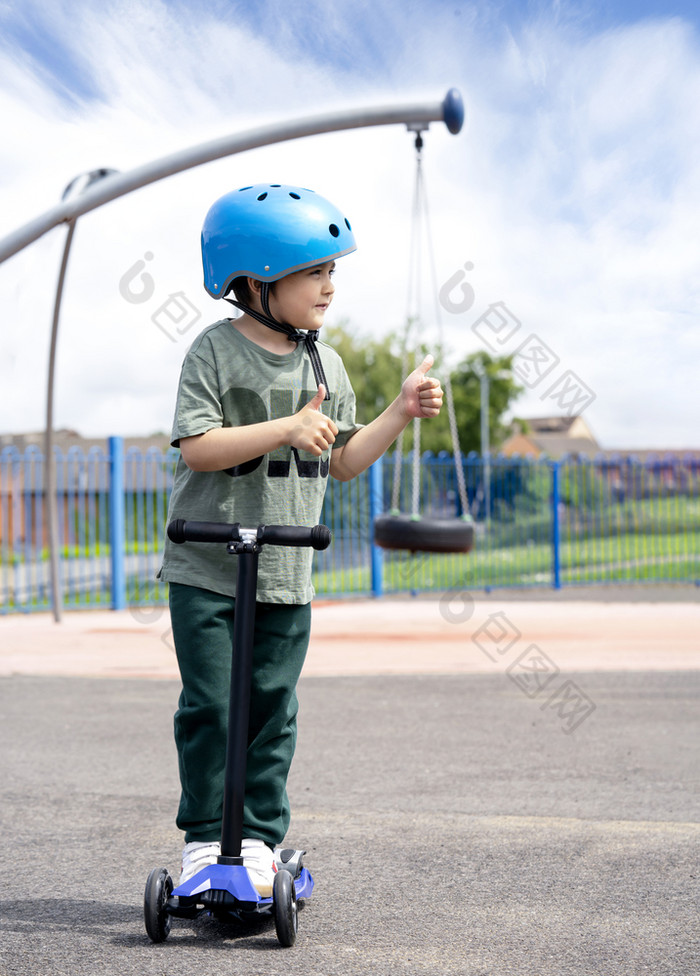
(493, 821)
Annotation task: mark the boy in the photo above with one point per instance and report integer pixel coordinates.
(263, 416)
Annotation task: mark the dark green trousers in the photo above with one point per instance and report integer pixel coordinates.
(202, 624)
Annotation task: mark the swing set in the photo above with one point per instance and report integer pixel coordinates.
(412, 531)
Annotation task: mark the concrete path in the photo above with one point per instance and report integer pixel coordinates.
(499, 787)
(459, 633)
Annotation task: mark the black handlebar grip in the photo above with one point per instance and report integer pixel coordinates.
(321, 537)
(318, 536)
(181, 530)
(176, 531)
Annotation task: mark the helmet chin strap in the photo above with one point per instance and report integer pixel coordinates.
(309, 338)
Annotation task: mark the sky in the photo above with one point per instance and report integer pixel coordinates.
(563, 216)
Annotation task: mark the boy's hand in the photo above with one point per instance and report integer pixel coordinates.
(421, 394)
(311, 430)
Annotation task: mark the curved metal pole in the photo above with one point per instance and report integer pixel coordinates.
(51, 504)
(450, 111)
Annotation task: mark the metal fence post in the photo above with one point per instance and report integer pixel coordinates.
(116, 522)
(556, 542)
(376, 481)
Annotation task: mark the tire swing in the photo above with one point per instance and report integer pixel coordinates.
(414, 532)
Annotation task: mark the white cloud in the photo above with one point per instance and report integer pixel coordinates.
(573, 191)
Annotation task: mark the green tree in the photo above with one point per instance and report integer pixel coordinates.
(375, 368)
(466, 391)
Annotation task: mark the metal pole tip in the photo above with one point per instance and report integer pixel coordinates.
(453, 111)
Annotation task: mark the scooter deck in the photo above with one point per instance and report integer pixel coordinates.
(227, 892)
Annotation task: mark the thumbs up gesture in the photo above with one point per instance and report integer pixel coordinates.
(311, 430)
(421, 394)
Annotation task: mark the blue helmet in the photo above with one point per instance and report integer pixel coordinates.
(268, 231)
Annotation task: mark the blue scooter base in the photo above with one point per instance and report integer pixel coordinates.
(226, 892)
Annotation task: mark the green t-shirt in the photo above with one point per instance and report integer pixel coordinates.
(229, 381)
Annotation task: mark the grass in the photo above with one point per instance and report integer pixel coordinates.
(626, 558)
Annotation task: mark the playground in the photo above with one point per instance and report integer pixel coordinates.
(485, 783)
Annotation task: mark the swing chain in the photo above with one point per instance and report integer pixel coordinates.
(454, 434)
(415, 494)
(396, 484)
(421, 224)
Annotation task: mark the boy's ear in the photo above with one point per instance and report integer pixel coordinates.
(254, 289)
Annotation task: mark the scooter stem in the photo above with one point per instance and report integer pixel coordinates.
(239, 699)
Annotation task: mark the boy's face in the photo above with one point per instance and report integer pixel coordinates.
(301, 299)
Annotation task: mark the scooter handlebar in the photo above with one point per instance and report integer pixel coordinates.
(317, 537)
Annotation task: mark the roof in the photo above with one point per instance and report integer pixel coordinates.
(552, 445)
(83, 463)
(557, 445)
(549, 425)
(65, 439)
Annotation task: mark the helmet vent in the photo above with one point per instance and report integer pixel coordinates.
(347, 223)
(295, 196)
(334, 230)
(262, 196)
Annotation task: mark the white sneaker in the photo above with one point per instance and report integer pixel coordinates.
(197, 855)
(259, 861)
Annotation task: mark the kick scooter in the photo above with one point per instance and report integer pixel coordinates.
(224, 889)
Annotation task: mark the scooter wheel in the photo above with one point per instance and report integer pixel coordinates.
(284, 902)
(158, 889)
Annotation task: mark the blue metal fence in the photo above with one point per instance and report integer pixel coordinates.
(537, 523)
